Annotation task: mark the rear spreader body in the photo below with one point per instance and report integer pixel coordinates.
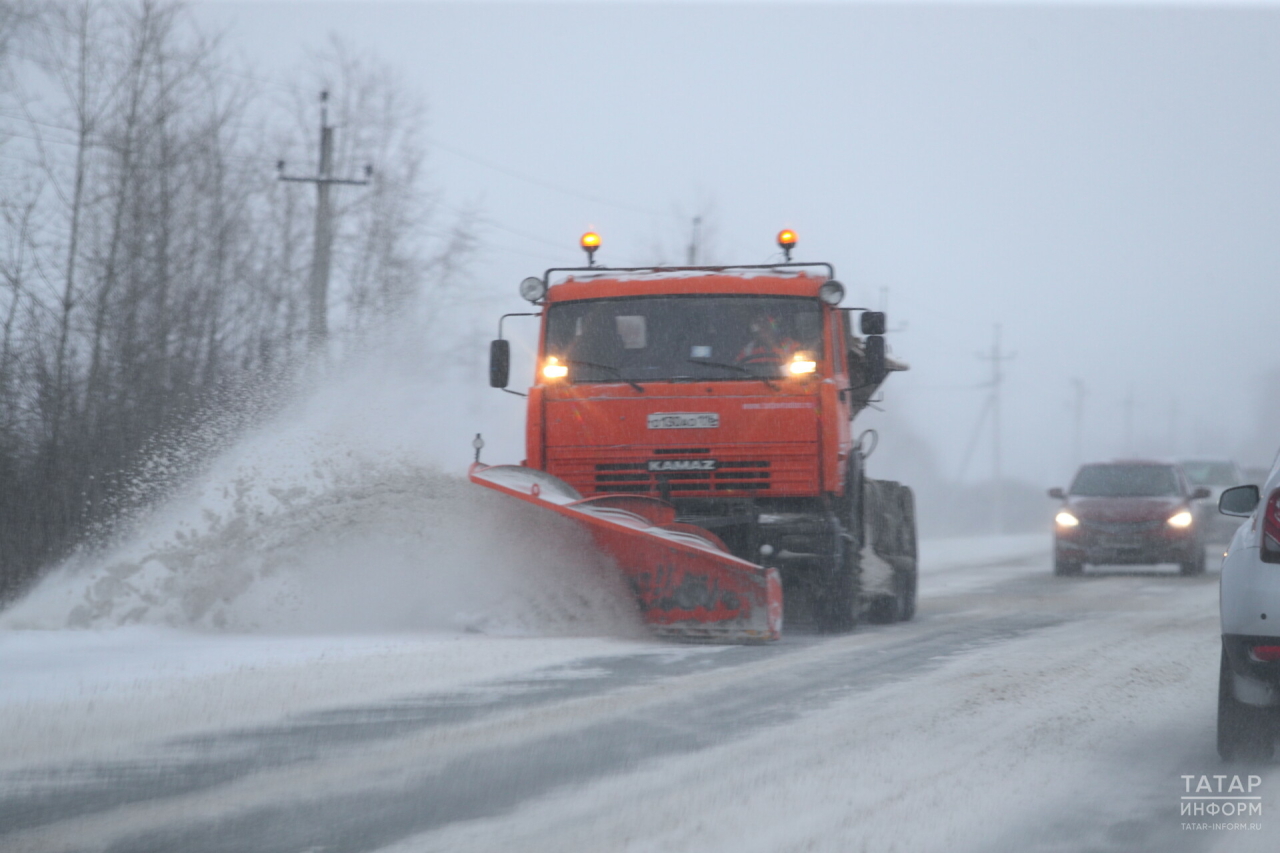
(723, 398)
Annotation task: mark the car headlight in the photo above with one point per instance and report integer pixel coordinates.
(1066, 519)
(1182, 518)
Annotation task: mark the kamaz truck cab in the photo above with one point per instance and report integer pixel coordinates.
(728, 392)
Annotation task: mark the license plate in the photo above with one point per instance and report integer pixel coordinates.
(684, 420)
(661, 465)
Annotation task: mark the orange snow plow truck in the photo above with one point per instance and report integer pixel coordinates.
(697, 421)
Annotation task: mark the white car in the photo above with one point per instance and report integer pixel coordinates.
(1249, 603)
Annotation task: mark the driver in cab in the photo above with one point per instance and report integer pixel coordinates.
(769, 346)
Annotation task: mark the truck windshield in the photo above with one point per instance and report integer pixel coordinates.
(1125, 481)
(683, 338)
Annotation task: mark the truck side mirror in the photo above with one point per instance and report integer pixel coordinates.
(874, 354)
(499, 363)
(1239, 501)
(1057, 492)
(872, 322)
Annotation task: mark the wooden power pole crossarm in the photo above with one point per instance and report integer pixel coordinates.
(317, 325)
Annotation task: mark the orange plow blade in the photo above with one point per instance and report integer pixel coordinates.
(688, 586)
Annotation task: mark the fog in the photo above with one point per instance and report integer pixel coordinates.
(1098, 180)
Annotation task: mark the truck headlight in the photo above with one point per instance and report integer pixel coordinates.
(533, 288)
(553, 369)
(801, 364)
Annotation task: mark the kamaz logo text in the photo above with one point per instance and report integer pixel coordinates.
(682, 464)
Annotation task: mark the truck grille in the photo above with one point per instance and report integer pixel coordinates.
(781, 469)
(728, 476)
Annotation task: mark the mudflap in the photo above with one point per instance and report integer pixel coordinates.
(687, 585)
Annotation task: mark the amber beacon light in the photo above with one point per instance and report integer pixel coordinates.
(590, 242)
(787, 240)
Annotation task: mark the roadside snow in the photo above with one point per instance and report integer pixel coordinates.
(96, 691)
(962, 564)
(97, 694)
(1047, 742)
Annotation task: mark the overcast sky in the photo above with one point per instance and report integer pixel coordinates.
(1103, 181)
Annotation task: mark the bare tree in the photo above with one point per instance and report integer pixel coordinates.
(149, 260)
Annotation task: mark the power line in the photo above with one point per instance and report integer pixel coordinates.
(493, 223)
(546, 184)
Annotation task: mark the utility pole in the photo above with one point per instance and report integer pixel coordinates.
(695, 242)
(317, 319)
(997, 358)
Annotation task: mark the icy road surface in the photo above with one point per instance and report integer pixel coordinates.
(1018, 712)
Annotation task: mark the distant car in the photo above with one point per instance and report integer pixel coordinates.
(1127, 513)
(1215, 475)
(1249, 607)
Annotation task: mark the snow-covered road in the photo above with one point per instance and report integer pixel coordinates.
(1019, 711)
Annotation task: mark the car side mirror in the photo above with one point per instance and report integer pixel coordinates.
(1056, 492)
(872, 322)
(1239, 501)
(499, 363)
(1200, 493)
(873, 351)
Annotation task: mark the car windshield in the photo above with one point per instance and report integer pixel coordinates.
(683, 338)
(1211, 473)
(1123, 481)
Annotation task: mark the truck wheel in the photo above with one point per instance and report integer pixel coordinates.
(894, 538)
(885, 609)
(907, 611)
(910, 578)
(1244, 733)
(840, 597)
(838, 607)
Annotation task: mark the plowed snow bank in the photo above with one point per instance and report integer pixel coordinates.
(337, 519)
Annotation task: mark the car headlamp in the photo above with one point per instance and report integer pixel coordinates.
(1182, 518)
(1066, 519)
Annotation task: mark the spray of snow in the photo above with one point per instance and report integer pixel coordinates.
(339, 516)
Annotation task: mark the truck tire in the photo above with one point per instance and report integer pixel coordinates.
(891, 521)
(840, 598)
(839, 602)
(1244, 732)
(910, 576)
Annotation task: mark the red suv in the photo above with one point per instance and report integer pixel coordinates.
(1128, 513)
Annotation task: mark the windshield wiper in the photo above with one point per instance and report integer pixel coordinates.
(737, 367)
(609, 367)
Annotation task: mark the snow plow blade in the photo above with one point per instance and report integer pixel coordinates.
(687, 584)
